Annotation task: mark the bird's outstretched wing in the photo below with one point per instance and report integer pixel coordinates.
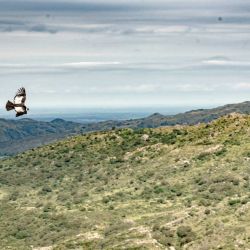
(19, 101)
(20, 97)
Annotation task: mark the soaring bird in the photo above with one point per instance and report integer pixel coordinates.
(19, 103)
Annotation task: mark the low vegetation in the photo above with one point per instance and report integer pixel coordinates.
(182, 187)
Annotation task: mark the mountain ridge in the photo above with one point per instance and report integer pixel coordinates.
(19, 135)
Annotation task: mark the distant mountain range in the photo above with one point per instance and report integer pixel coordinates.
(19, 135)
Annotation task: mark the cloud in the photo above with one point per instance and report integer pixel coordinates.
(124, 89)
(11, 22)
(211, 64)
(42, 28)
(28, 26)
(242, 86)
(71, 67)
(65, 6)
(125, 18)
(78, 65)
(194, 87)
(223, 62)
(19, 68)
(114, 5)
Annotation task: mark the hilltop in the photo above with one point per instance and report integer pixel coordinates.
(181, 187)
(19, 135)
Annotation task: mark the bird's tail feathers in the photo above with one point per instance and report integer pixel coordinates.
(9, 106)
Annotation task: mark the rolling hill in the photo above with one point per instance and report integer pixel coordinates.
(180, 187)
(19, 135)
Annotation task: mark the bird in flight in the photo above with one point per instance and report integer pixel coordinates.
(19, 103)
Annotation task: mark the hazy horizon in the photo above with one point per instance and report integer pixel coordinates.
(86, 115)
(170, 109)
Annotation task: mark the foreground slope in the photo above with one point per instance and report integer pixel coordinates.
(182, 187)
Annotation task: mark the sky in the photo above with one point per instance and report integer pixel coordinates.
(125, 53)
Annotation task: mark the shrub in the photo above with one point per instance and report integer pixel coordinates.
(207, 211)
(183, 231)
(158, 189)
(63, 197)
(111, 207)
(21, 234)
(46, 189)
(233, 202)
(164, 236)
(204, 202)
(13, 196)
(106, 199)
(185, 234)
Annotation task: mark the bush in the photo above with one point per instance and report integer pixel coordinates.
(207, 211)
(233, 202)
(46, 189)
(13, 196)
(163, 235)
(21, 235)
(158, 190)
(183, 231)
(106, 199)
(185, 234)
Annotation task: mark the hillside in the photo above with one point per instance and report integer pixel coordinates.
(19, 135)
(182, 187)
